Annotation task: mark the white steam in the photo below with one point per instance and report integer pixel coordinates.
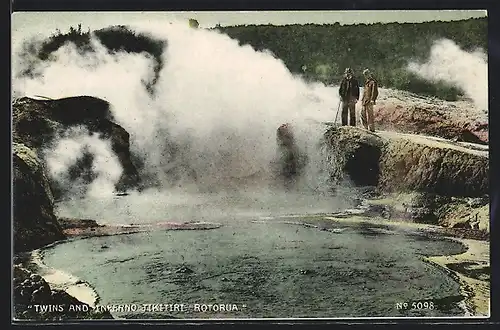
(220, 101)
(465, 70)
(70, 147)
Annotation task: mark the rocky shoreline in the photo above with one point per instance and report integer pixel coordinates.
(43, 294)
(69, 290)
(470, 269)
(64, 297)
(468, 220)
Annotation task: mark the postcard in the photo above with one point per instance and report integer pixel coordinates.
(285, 165)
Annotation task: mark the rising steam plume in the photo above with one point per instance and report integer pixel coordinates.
(77, 145)
(451, 64)
(198, 106)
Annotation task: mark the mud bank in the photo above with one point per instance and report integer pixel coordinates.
(467, 218)
(82, 228)
(471, 269)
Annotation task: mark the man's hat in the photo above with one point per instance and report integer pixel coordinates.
(348, 70)
(366, 72)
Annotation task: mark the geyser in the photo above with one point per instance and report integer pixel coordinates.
(200, 108)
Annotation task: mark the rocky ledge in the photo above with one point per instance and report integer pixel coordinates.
(406, 112)
(425, 179)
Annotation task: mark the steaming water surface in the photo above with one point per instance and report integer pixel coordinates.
(267, 268)
(182, 206)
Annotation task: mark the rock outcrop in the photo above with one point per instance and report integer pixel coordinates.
(466, 217)
(396, 162)
(419, 178)
(354, 152)
(35, 300)
(35, 224)
(405, 112)
(433, 165)
(37, 122)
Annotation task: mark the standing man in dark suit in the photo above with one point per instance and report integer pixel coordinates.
(349, 95)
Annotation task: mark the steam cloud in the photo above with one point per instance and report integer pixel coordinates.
(214, 111)
(68, 150)
(115, 39)
(465, 70)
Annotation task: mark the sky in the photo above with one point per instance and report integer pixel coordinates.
(44, 22)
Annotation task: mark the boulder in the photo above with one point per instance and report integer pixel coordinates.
(35, 224)
(37, 122)
(396, 162)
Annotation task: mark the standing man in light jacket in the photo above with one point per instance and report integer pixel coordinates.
(370, 94)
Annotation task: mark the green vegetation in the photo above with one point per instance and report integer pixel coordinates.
(115, 39)
(326, 50)
(58, 39)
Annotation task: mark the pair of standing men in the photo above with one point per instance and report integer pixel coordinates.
(349, 94)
